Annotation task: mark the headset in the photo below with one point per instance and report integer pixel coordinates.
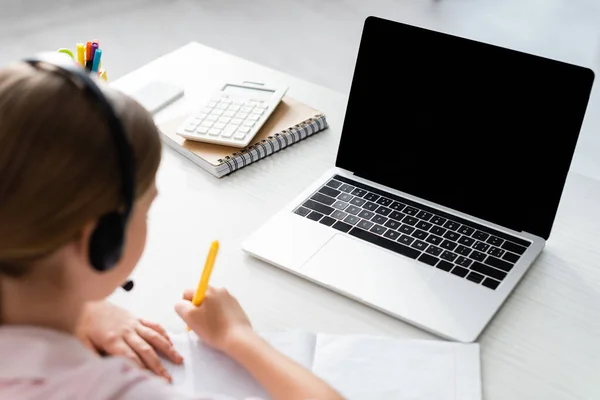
(108, 238)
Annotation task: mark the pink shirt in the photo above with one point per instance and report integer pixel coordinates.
(37, 363)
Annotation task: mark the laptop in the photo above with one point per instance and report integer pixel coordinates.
(451, 164)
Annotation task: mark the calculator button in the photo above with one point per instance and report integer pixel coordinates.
(224, 120)
(206, 110)
(190, 128)
(214, 132)
(258, 111)
(237, 121)
(212, 118)
(249, 123)
(246, 109)
(207, 124)
(226, 101)
(240, 135)
(253, 117)
(217, 112)
(229, 114)
(233, 108)
(244, 129)
(222, 106)
(261, 107)
(219, 125)
(242, 115)
(212, 104)
(228, 131)
(237, 102)
(202, 130)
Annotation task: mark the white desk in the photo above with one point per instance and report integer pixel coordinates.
(543, 344)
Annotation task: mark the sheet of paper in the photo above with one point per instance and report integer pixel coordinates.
(207, 371)
(372, 368)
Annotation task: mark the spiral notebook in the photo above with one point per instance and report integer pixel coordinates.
(360, 367)
(291, 122)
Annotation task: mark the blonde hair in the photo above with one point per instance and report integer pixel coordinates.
(58, 164)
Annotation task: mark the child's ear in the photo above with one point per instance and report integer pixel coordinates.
(82, 241)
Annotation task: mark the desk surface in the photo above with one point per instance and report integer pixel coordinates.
(543, 344)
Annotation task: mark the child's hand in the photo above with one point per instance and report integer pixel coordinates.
(219, 321)
(109, 329)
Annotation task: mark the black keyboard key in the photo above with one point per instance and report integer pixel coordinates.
(370, 206)
(419, 244)
(515, 248)
(427, 259)
(419, 234)
(475, 277)
(359, 192)
(342, 226)
(345, 197)
(462, 250)
(396, 215)
(351, 219)
(488, 271)
(397, 206)
(334, 184)
(447, 244)
(465, 230)
(391, 234)
(480, 235)
(346, 188)
(496, 252)
(340, 205)
(406, 229)
(498, 263)
(407, 240)
(357, 202)
(447, 255)
(464, 262)
(483, 247)
(467, 241)
(453, 226)
(327, 221)
(410, 211)
(434, 239)
(384, 201)
(353, 210)
(392, 224)
(339, 214)
(490, 283)
(438, 220)
(383, 211)
(496, 241)
(424, 225)
(329, 191)
(477, 255)
(410, 220)
(378, 229)
(424, 215)
(302, 211)
(437, 230)
(371, 196)
(385, 243)
(511, 257)
(322, 208)
(379, 219)
(451, 235)
(366, 214)
(315, 216)
(434, 250)
(364, 224)
(459, 271)
(445, 265)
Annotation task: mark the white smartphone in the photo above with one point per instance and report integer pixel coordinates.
(156, 95)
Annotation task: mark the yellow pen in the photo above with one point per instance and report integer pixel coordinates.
(81, 54)
(208, 267)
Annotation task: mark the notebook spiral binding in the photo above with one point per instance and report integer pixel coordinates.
(274, 143)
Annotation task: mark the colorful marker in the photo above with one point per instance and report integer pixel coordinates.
(96, 62)
(81, 54)
(67, 52)
(88, 56)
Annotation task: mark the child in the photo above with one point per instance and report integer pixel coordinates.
(58, 174)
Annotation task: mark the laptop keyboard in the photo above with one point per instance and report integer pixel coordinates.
(468, 250)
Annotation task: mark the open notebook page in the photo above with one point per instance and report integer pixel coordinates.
(206, 370)
(373, 368)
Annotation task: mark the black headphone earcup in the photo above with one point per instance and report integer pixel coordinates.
(106, 242)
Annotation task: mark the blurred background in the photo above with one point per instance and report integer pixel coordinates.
(316, 40)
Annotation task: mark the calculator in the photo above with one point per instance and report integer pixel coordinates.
(233, 115)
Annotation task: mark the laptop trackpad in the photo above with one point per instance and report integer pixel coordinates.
(367, 272)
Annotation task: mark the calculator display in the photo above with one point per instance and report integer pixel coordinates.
(261, 94)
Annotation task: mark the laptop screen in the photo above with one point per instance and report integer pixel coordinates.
(478, 128)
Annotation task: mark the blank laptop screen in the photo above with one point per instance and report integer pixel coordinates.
(478, 128)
